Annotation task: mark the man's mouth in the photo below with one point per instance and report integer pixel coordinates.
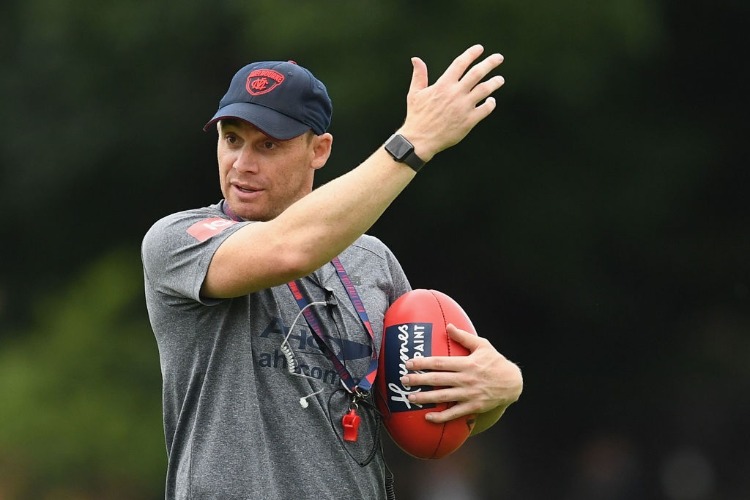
(246, 188)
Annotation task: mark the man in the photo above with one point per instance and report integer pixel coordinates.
(268, 306)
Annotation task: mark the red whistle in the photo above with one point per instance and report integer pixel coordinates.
(350, 421)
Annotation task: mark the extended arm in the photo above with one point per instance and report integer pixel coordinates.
(322, 224)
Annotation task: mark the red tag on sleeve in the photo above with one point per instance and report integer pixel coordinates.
(208, 228)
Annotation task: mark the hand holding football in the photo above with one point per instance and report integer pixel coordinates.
(415, 325)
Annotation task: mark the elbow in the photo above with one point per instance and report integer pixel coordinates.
(289, 265)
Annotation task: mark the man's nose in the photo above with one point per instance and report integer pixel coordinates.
(246, 161)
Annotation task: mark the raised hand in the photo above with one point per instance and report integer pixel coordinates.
(440, 115)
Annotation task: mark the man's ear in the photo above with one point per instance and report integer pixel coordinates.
(321, 149)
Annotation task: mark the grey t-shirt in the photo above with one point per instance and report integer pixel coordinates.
(234, 425)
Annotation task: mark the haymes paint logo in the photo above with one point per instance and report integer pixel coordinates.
(403, 342)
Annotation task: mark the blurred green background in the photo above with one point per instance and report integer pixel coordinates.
(594, 227)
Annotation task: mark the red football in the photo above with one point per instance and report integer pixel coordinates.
(415, 325)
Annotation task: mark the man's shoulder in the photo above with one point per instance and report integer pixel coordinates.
(207, 219)
(370, 244)
(369, 250)
(188, 215)
(185, 229)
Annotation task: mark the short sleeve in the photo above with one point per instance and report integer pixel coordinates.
(177, 250)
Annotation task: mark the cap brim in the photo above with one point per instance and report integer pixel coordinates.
(270, 122)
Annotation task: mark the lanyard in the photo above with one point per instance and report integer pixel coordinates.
(365, 384)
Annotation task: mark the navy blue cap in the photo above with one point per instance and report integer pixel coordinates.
(281, 98)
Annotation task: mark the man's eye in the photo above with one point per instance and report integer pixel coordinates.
(269, 145)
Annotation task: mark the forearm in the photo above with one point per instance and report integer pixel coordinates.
(488, 419)
(329, 219)
(319, 226)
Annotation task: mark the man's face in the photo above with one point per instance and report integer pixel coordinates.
(260, 176)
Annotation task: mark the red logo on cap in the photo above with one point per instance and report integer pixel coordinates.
(262, 81)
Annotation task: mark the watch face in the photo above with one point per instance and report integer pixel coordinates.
(403, 151)
(399, 147)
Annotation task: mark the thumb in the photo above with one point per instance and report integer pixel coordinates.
(418, 76)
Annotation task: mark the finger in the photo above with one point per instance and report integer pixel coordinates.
(480, 112)
(460, 64)
(466, 339)
(450, 395)
(485, 89)
(480, 70)
(483, 110)
(433, 379)
(419, 78)
(455, 411)
(436, 363)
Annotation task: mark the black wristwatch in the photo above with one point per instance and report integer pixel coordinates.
(403, 151)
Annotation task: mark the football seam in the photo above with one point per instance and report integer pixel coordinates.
(442, 313)
(436, 453)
